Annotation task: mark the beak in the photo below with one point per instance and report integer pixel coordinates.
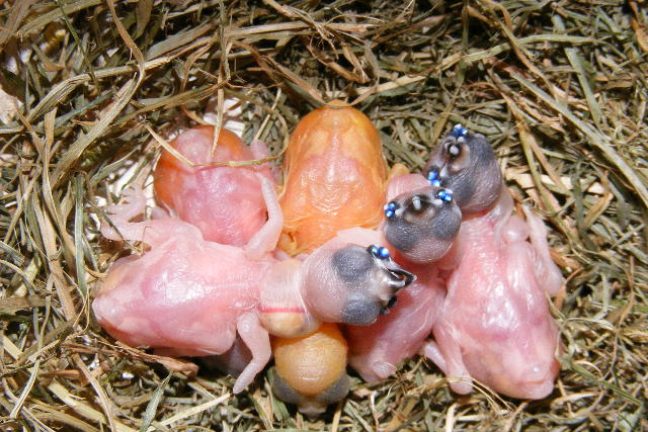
(398, 277)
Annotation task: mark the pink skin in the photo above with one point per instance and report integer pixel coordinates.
(188, 296)
(405, 183)
(224, 202)
(377, 349)
(495, 324)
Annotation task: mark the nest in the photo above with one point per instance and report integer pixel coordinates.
(559, 87)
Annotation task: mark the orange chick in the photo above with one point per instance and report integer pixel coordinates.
(310, 371)
(335, 177)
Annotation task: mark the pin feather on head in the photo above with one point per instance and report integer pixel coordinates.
(444, 195)
(390, 209)
(379, 252)
(458, 131)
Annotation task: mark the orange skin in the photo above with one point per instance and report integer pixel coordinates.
(298, 360)
(313, 367)
(169, 169)
(335, 177)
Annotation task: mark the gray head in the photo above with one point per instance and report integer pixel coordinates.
(465, 163)
(371, 272)
(422, 224)
(352, 284)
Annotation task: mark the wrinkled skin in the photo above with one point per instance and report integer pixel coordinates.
(310, 371)
(185, 295)
(377, 349)
(495, 325)
(188, 296)
(335, 177)
(224, 202)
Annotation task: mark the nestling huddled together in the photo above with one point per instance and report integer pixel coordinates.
(335, 259)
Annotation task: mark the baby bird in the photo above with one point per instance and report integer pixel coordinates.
(189, 296)
(423, 221)
(335, 176)
(494, 324)
(224, 202)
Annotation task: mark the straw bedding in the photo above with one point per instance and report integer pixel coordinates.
(559, 87)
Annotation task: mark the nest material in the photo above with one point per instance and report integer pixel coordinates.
(560, 88)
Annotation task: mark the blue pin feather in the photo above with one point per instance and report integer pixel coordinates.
(445, 195)
(383, 252)
(433, 177)
(458, 131)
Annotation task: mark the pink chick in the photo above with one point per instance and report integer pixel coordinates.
(495, 325)
(224, 202)
(423, 221)
(188, 296)
(185, 295)
(376, 350)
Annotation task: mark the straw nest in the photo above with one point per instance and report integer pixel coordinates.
(559, 87)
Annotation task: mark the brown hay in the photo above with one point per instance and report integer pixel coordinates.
(559, 87)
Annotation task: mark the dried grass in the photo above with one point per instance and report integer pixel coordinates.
(560, 88)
